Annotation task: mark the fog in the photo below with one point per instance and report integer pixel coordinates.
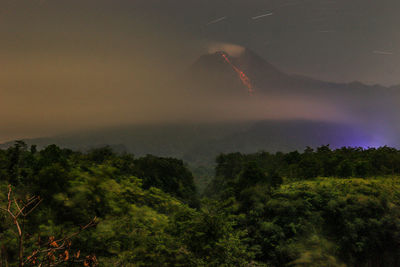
(75, 65)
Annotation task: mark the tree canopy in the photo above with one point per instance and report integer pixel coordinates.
(320, 207)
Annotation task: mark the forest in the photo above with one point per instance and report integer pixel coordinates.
(317, 207)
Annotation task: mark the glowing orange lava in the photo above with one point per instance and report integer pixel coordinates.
(243, 77)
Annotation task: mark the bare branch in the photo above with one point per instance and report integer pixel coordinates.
(18, 227)
(9, 197)
(92, 223)
(19, 209)
(34, 207)
(27, 205)
(52, 246)
(3, 209)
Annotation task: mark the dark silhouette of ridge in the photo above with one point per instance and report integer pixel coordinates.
(211, 72)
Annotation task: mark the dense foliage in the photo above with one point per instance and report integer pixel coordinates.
(142, 222)
(295, 217)
(260, 209)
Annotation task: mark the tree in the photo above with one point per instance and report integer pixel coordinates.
(251, 175)
(361, 168)
(16, 155)
(52, 252)
(274, 179)
(168, 174)
(345, 169)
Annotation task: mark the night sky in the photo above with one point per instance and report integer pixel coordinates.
(71, 64)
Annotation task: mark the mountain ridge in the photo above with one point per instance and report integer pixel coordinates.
(264, 74)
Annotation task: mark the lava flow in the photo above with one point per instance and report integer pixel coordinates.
(243, 77)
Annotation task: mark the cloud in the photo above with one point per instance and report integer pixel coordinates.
(232, 49)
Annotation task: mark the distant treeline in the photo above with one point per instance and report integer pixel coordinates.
(323, 161)
(320, 207)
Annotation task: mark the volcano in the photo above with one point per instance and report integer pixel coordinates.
(211, 72)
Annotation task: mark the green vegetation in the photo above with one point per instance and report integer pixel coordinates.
(316, 208)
